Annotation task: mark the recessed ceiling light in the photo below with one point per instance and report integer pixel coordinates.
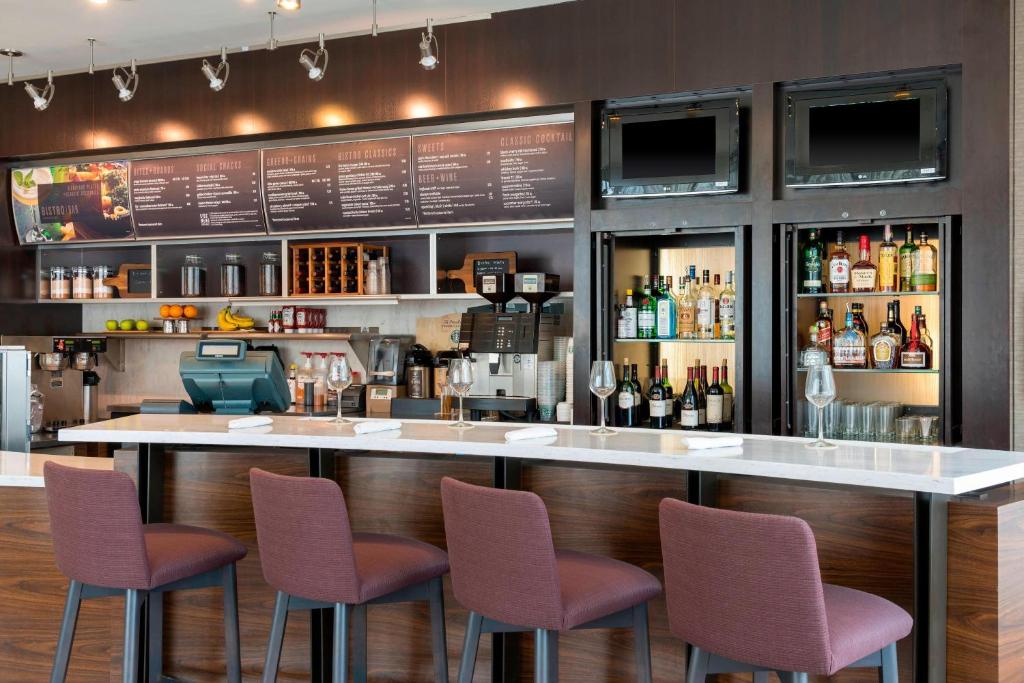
(98, 2)
(289, 5)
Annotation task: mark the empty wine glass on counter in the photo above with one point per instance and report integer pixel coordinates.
(460, 380)
(820, 390)
(339, 378)
(602, 385)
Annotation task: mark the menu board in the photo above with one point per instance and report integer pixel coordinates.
(197, 196)
(491, 176)
(71, 202)
(362, 184)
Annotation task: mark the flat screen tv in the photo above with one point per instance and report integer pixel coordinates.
(867, 136)
(682, 149)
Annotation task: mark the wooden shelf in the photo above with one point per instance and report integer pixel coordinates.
(350, 300)
(675, 341)
(881, 371)
(856, 295)
(150, 334)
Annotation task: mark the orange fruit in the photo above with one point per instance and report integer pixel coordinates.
(165, 311)
(190, 311)
(176, 311)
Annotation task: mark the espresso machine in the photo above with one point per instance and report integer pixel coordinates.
(506, 346)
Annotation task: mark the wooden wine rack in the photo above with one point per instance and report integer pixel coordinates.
(306, 281)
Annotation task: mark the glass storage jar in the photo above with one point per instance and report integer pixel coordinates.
(60, 282)
(44, 283)
(270, 274)
(100, 290)
(193, 276)
(232, 276)
(81, 282)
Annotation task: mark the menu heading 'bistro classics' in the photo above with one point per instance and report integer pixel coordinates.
(200, 196)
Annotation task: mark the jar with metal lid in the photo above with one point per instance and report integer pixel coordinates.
(100, 290)
(270, 274)
(193, 276)
(44, 283)
(81, 282)
(60, 282)
(232, 276)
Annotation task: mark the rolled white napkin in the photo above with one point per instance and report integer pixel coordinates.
(530, 433)
(252, 421)
(377, 426)
(696, 443)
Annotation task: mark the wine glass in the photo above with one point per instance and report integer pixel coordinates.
(820, 390)
(339, 378)
(602, 385)
(460, 379)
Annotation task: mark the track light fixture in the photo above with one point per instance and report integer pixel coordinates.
(315, 62)
(126, 82)
(41, 98)
(218, 77)
(428, 47)
(92, 55)
(374, 29)
(272, 43)
(289, 5)
(10, 53)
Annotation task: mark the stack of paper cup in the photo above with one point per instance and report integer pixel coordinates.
(548, 389)
(568, 371)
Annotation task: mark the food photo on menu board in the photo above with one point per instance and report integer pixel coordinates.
(71, 202)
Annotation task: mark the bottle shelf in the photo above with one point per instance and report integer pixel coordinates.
(881, 371)
(675, 341)
(855, 295)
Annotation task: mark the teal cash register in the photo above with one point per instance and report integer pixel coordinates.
(224, 376)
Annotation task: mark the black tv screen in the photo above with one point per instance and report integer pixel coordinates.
(668, 148)
(865, 133)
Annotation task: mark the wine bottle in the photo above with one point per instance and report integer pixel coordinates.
(702, 404)
(727, 397)
(688, 415)
(626, 410)
(716, 403)
(660, 414)
(638, 397)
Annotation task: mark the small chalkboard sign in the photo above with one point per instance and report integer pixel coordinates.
(487, 263)
(133, 280)
(491, 266)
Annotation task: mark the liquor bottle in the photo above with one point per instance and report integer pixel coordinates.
(626, 412)
(628, 320)
(702, 411)
(686, 317)
(916, 355)
(925, 336)
(727, 396)
(661, 415)
(907, 252)
(813, 353)
(638, 397)
(825, 328)
(885, 348)
(864, 273)
(665, 383)
(688, 410)
(646, 314)
(924, 276)
(717, 289)
(706, 309)
(888, 263)
(813, 255)
(666, 311)
(849, 350)
(716, 401)
(859, 322)
(727, 309)
(839, 267)
(897, 321)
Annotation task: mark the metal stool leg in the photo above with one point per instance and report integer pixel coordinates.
(276, 639)
(697, 669)
(761, 677)
(641, 644)
(890, 672)
(359, 665)
(232, 647)
(540, 659)
(438, 637)
(67, 633)
(132, 619)
(155, 647)
(340, 664)
(469, 648)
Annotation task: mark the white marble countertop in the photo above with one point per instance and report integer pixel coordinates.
(889, 466)
(26, 469)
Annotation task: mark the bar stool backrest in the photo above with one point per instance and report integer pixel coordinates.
(304, 537)
(501, 553)
(96, 526)
(745, 586)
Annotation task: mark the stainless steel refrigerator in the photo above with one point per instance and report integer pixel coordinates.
(15, 410)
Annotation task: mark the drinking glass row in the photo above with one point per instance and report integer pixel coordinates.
(878, 421)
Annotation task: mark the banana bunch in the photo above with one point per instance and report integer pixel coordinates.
(229, 321)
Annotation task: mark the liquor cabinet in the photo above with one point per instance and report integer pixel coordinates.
(624, 258)
(932, 391)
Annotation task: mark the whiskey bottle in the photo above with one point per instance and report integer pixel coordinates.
(839, 267)
(888, 263)
(727, 309)
(859, 322)
(916, 355)
(688, 411)
(907, 252)
(813, 256)
(825, 329)
(864, 273)
(885, 348)
(727, 396)
(849, 350)
(716, 404)
(925, 336)
(897, 321)
(923, 278)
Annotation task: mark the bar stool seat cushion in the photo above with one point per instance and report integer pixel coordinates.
(386, 564)
(176, 552)
(593, 586)
(860, 624)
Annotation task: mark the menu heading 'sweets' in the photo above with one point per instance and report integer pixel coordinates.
(500, 175)
(360, 184)
(197, 196)
(71, 202)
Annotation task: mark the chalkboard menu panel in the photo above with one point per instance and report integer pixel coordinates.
(362, 184)
(490, 176)
(71, 202)
(197, 196)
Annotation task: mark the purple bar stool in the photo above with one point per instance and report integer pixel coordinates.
(745, 591)
(314, 561)
(506, 571)
(101, 544)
